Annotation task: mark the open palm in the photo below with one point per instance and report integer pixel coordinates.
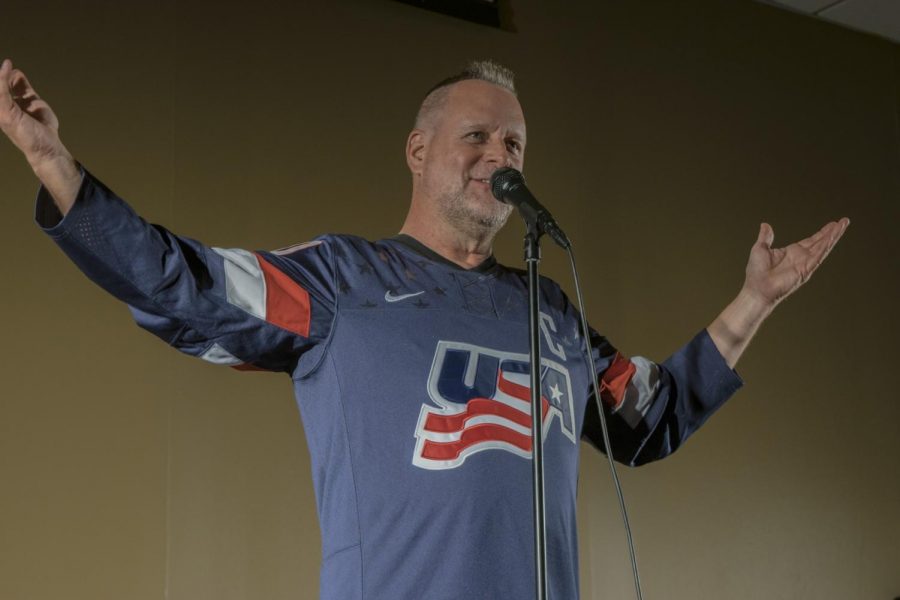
(775, 273)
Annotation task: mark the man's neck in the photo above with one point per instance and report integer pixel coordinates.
(466, 251)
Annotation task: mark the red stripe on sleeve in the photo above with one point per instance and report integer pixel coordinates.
(615, 380)
(287, 304)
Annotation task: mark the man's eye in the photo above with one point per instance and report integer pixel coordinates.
(514, 146)
(476, 135)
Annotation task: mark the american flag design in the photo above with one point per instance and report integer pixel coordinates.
(629, 386)
(262, 290)
(481, 400)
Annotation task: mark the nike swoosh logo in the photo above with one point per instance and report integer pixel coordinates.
(392, 298)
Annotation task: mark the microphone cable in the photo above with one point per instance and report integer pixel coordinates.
(612, 465)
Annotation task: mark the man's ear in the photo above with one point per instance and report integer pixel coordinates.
(415, 151)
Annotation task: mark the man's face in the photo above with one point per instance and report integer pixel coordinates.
(478, 129)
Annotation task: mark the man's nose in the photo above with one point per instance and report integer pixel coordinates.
(496, 152)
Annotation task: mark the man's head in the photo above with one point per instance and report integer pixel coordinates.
(468, 126)
(480, 70)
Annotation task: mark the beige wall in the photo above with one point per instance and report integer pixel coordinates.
(662, 133)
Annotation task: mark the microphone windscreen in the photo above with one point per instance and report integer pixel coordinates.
(502, 180)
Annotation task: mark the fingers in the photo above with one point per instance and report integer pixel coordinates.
(844, 223)
(838, 232)
(828, 237)
(15, 89)
(21, 88)
(830, 232)
(18, 98)
(823, 234)
(14, 85)
(9, 110)
(6, 99)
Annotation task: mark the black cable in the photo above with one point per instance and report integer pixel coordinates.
(609, 455)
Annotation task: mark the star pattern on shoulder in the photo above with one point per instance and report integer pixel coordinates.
(383, 256)
(439, 291)
(409, 274)
(343, 287)
(364, 268)
(421, 304)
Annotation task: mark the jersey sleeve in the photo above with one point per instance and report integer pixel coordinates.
(246, 309)
(653, 408)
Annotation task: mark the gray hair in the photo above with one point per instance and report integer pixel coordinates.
(484, 70)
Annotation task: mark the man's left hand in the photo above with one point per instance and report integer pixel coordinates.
(772, 275)
(775, 273)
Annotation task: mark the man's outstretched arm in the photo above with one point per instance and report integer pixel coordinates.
(656, 407)
(772, 275)
(31, 125)
(229, 306)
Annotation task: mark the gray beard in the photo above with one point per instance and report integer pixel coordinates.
(463, 217)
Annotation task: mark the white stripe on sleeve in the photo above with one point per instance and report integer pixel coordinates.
(216, 354)
(640, 391)
(245, 285)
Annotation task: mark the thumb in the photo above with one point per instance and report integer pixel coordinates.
(766, 235)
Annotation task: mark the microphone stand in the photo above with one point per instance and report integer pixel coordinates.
(508, 185)
(532, 259)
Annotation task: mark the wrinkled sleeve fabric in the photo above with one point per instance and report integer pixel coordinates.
(251, 310)
(653, 408)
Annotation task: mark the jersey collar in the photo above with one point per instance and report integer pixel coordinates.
(413, 244)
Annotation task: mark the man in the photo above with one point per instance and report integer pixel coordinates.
(409, 355)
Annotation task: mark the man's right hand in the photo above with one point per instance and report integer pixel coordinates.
(31, 125)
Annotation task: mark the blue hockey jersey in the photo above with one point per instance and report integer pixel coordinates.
(411, 376)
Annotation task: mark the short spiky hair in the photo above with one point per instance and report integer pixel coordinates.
(485, 70)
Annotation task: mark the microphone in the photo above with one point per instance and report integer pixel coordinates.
(508, 185)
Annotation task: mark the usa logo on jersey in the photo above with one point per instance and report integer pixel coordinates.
(482, 401)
